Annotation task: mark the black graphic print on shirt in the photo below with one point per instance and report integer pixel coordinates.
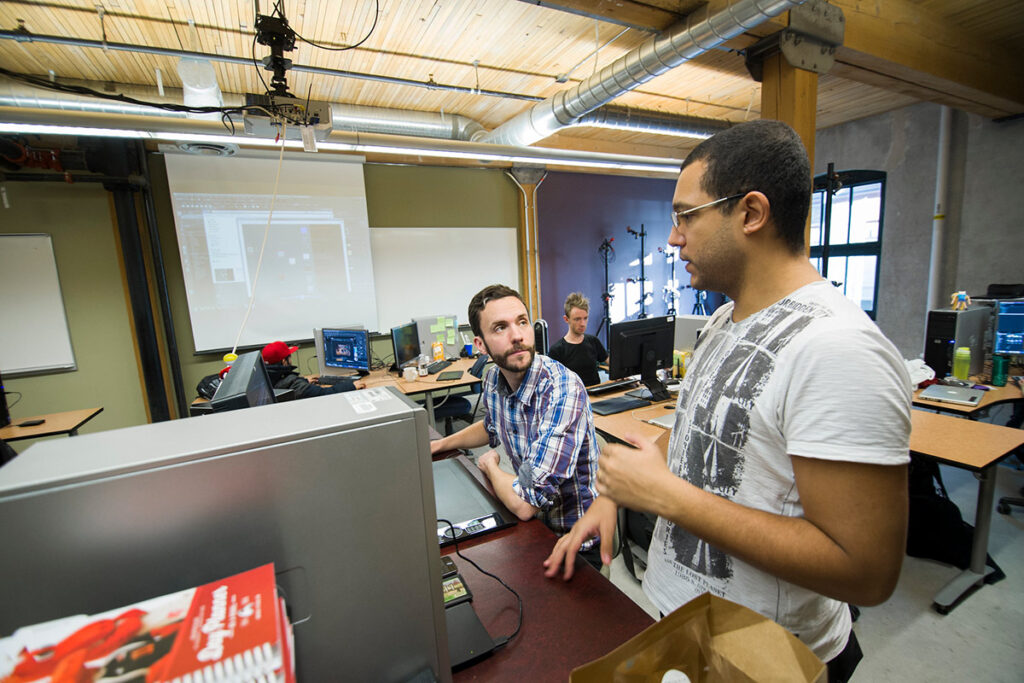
(718, 402)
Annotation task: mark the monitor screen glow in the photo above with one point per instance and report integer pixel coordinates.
(346, 349)
(1009, 338)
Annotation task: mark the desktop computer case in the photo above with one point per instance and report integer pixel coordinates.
(337, 491)
(948, 330)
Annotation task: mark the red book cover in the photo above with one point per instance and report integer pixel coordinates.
(226, 630)
(231, 630)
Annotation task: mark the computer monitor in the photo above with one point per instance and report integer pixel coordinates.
(439, 328)
(406, 342)
(642, 347)
(107, 519)
(340, 351)
(246, 385)
(1009, 337)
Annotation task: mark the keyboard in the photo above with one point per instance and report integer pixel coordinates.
(607, 387)
(619, 404)
(331, 380)
(437, 366)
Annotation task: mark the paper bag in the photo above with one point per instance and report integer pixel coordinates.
(711, 640)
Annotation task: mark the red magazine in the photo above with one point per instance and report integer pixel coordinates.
(233, 629)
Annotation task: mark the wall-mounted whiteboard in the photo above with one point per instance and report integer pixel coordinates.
(34, 334)
(425, 271)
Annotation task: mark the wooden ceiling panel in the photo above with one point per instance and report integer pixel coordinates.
(519, 48)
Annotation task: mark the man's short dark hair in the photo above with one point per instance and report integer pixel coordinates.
(763, 155)
(482, 298)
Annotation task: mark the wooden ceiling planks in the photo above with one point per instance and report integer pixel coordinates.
(520, 48)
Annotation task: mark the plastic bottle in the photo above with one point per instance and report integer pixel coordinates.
(438, 350)
(999, 368)
(962, 362)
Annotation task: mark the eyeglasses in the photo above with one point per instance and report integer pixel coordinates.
(677, 215)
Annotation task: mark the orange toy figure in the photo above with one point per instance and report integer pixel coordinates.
(959, 301)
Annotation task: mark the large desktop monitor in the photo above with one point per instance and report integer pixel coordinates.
(342, 351)
(337, 492)
(246, 385)
(642, 347)
(406, 343)
(1009, 333)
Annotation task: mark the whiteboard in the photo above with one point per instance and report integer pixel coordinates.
(34, 333)
(419, 272)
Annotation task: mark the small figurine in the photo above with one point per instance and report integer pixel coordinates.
(959, 301)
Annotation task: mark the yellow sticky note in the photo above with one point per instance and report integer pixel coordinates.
(451, 336)
(436, 327)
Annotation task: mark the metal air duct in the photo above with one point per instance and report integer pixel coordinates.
(655, 56)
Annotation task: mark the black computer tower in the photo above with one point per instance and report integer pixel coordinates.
(949, 329)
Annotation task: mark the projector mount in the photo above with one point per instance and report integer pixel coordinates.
(275, 33)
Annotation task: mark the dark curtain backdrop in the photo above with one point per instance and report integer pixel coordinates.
(576, 211)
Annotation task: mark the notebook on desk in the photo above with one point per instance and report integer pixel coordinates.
(958, 395)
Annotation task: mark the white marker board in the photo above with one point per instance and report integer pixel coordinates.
(34, 336)
(425, 271)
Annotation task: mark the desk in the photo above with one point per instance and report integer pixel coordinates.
(974, 446)
(425, 385)
(565, 623)
(971, 445)
(992, 397)
(55, 423)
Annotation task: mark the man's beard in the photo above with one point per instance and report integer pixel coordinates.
(503, 363)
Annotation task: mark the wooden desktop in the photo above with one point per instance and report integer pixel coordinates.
(67, 422)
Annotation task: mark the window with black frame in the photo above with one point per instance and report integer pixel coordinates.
(846, 232)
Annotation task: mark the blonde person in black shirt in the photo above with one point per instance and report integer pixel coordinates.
(577, 350)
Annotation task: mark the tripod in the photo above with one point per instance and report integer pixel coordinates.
(700, 306)
(642, 280)
(607, 253)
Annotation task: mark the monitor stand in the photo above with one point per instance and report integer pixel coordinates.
(653, 389)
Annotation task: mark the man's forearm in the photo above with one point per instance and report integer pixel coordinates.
(472, 436)
(502, 483)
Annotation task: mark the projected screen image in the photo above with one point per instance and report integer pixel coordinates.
(317, 254)
(346, 349)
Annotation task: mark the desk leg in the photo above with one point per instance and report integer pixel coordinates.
(429, 405)
(953, 591)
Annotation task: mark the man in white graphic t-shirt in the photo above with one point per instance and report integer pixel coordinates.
(785, 488)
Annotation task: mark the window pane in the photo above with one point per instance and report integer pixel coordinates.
(839, 228)
(816, 262)
(817, 209)
(867, 208)
(857, 275)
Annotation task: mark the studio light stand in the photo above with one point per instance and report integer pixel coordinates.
(670, 292)
(607, 253)
(642, 280)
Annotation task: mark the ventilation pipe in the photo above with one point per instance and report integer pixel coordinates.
(935, 296)
(655, 56)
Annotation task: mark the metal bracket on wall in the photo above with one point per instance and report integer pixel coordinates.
(815, 30)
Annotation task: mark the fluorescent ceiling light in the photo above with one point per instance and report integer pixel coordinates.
(668, 166)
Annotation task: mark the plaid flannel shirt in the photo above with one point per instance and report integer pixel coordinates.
(547, 429)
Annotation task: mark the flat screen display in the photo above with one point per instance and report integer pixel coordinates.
(1009, 328)
(346, 349)
(406, 342)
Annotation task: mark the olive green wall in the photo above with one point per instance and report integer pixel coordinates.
(80, 220)
(396, 196)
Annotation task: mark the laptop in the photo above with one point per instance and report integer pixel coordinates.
(959, 395)
(668, 420)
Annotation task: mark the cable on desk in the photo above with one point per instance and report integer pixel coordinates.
(9, 393)
(502, 641)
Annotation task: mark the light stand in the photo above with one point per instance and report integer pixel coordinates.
(642, 280)
(607, 252)
(670, 292)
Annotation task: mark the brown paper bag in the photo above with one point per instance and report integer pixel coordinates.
(711, 640)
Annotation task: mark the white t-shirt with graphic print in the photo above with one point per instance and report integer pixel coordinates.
(811, 375)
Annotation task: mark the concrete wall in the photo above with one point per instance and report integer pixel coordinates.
(983, 239)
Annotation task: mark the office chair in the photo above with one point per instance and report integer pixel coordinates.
(459, 407)
(540, 336)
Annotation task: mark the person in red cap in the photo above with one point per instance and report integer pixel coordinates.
(284, 375)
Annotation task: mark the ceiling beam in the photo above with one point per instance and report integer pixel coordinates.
(644, 16)
(901, 46)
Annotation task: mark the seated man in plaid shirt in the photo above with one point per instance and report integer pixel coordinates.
(539, 411)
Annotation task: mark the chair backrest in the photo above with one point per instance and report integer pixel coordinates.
(996, 291)
(540, 335)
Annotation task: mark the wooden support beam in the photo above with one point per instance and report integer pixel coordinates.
(790, 95)
(899, 45)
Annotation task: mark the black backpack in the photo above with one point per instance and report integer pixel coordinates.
(935, 528)
(207, 386)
